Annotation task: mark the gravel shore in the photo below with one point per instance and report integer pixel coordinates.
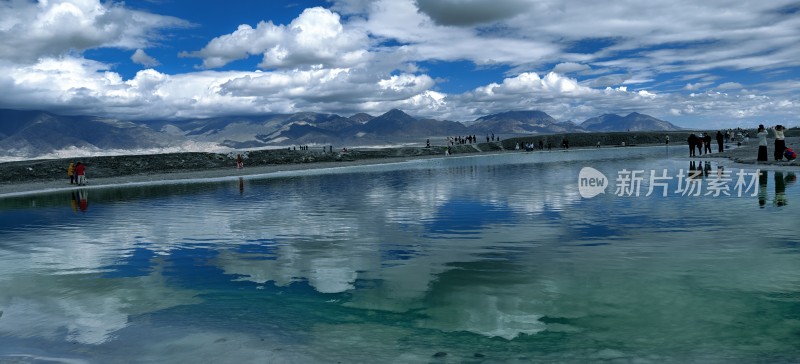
(748, 153)
(36, 176)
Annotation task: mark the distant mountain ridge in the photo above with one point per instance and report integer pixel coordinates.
(521, 122)
(631, 122)
(34, 133)
(31, 133)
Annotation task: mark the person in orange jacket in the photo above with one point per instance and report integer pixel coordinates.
(71, 173)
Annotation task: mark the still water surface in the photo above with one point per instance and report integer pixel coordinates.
(487, 259)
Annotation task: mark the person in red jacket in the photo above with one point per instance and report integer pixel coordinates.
(80, 171)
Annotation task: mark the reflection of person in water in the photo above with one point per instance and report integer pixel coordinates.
(780, 189)
(241, 185)
(695, 169)
(84, 200)
(74, 203)
(762, 189)
(791, 178)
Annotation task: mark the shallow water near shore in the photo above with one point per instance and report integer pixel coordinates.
(484, 259)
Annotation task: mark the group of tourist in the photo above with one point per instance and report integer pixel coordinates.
(702, 143)
(733, 135)
(780, 144)
(469, 139)
(529, 147)
(77, 173)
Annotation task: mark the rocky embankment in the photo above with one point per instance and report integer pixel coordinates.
(132, 165)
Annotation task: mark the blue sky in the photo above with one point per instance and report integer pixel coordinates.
(710, 65)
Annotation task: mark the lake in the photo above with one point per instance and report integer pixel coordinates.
(479, 259)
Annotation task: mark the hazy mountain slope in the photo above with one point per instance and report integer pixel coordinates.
(32, 133)
(396, 124)
(631, 122)
(520, 122)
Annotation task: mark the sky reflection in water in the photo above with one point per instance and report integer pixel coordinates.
(494, 255)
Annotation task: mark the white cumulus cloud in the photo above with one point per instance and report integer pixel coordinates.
(315, 37)
(55, 27)
(573, 59)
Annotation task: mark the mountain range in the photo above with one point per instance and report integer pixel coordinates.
(631, 122)
(34, 133)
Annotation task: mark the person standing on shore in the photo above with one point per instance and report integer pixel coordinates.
(780, 143)
(699, 144)
(239, 161)
(71, 173)
(720, 141)
(80, 171)
(692, 140)
(762, 143)
(707, 143)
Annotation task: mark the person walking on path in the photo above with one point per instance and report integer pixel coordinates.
(780, 143)
(720, 141)
(80, 171)
(762, 143)
(71, 173)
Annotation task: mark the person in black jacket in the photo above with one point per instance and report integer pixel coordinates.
(720, 141)
(693, 140)
(707, 143)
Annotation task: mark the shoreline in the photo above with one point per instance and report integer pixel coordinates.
(187, 176)
(746, 154)
(176, 172)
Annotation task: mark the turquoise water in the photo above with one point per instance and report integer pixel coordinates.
(487, 259)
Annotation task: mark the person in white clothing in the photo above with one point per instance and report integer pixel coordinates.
(780, 143)
(762, 143)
